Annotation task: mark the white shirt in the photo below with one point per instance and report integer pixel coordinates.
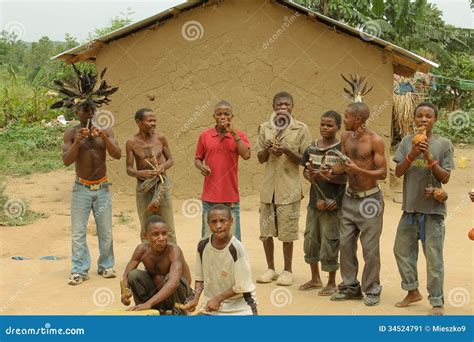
(222, 269)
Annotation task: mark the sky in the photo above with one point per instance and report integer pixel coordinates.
(32, 19)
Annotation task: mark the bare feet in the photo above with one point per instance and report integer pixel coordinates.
(311, 285)
(328, 290)
(412, 297)
(437, 311)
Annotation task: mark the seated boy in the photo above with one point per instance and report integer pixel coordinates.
(223, 270)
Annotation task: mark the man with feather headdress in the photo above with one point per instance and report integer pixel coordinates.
(362, 205)
(86, 145)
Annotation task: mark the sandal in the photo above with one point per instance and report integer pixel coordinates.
(308, 286)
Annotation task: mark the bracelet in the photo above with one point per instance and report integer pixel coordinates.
(408, 159)
(432, 164)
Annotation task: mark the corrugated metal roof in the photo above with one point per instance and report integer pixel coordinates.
(88, 51)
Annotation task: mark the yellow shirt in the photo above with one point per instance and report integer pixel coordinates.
(282, 176)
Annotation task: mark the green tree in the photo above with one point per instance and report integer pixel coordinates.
(116, 23)
(12, 50)
(414, 25)
(38, 55)
(452, 89)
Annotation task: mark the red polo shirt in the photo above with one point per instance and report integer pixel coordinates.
(222, 157)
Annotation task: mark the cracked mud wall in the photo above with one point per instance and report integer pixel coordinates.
(249, 50)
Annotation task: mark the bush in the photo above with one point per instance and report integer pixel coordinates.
(25, 149)
(457, 126)
(22, 102)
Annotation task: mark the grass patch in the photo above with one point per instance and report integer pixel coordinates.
(123, 219)
(15, 211)
(30, 149)
(26, 149)
(457, 126)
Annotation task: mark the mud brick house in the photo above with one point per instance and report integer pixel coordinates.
(182, 61)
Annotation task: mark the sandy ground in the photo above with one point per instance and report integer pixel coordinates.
(40, 287)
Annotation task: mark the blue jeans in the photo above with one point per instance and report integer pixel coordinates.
(234, 210)
(100, 202)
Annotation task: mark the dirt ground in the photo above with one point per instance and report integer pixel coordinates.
(39, 287)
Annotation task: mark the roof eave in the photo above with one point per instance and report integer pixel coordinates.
(405, 62)
(413, 61)
(90, 48)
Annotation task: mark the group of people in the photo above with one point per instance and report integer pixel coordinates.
(345, 204)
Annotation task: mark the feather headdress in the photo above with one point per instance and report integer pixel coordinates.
(358, 87)
(84, 91)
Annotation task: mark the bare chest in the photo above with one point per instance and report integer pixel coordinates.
(359, 149)
(156, 265)
(91, 144)
(148, 150)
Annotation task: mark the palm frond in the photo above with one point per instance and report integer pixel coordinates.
(358, 86)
